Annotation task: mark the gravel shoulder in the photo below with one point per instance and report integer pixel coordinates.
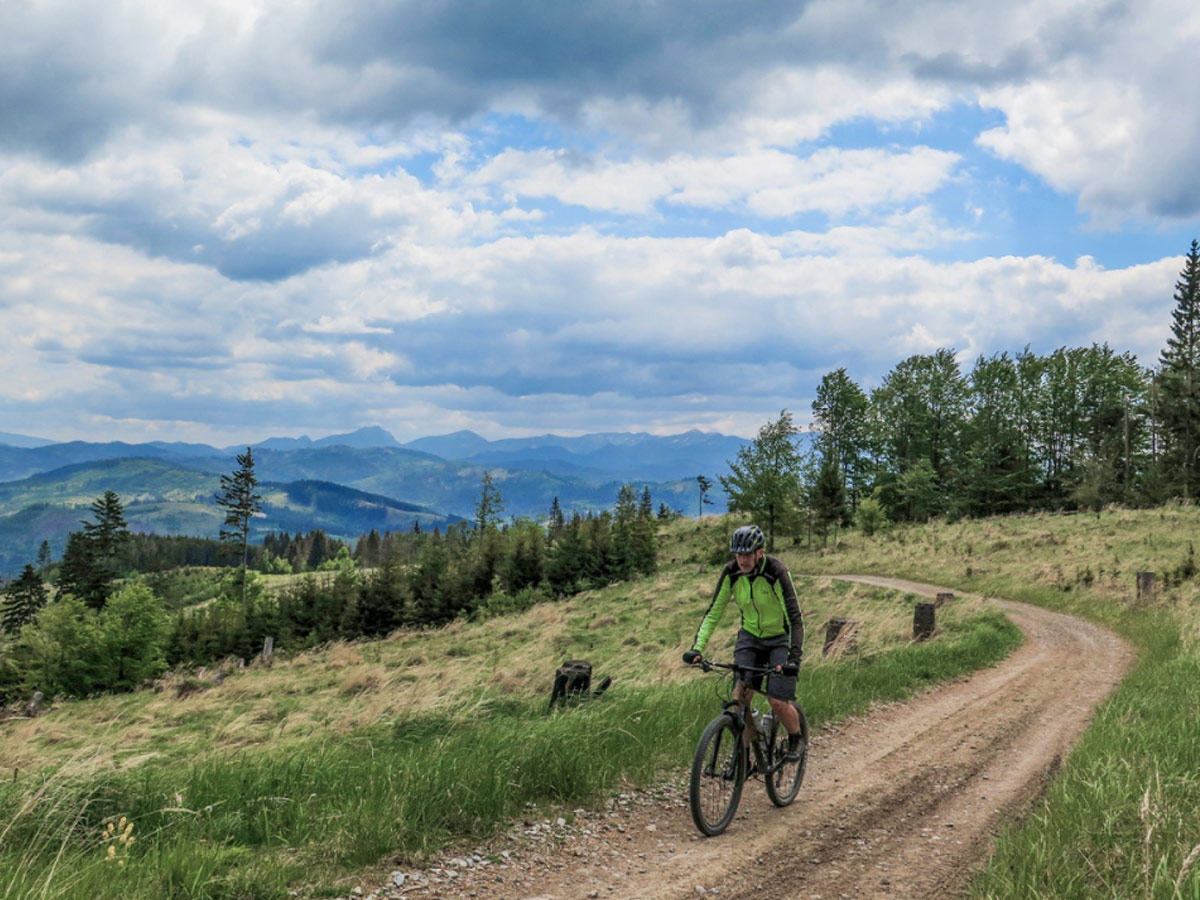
(900, 803)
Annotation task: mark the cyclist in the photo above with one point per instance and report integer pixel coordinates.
(772, 630)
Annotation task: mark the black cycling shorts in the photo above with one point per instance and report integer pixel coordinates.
(773, 651)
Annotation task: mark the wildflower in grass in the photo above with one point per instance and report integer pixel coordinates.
(119, 838)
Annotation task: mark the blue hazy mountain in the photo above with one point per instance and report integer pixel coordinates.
(164, 498)
(372, 436)
(22, 440)
(631, 456)
(593, 457)
(367, 480)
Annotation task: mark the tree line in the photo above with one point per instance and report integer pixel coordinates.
(111, 627)
(421, 579)
(1078, 428)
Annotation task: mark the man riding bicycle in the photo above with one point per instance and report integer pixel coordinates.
(772, 630)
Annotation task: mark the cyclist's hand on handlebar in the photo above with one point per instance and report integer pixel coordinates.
(691, 657)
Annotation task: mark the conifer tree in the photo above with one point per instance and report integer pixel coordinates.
(93, 557)
(240, 502)
(44, 558)
(1179, 383)
(829, 498)
(23, 599)
(109, 533)
(625, 515)
(490, 505)
(77, 574)
(645, 537)
(557, 523)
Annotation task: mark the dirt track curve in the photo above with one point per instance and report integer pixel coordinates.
(901, 803)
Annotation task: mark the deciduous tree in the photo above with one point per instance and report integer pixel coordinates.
(764, 480)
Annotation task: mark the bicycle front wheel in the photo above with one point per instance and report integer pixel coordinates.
(784, 779)
(718, 773)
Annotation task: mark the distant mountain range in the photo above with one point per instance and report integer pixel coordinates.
(163, 498)
(343, 484)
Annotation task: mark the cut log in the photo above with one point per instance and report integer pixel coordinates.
(923, 621)
(841, 636)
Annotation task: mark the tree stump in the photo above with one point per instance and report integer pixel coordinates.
(1145, 587)
(943, 598)
(34, 704)
(841, 636)
(923, 621)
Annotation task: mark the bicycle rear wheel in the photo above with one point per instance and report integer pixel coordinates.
(784, 783)
(718, 772)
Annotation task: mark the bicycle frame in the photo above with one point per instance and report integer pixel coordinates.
(722, 763)
(757, 739)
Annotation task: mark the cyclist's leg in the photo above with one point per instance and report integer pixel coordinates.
(747, 652)
(786, 714)
(743, 692)
(781, 691)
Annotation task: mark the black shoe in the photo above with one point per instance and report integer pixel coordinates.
(795, 750)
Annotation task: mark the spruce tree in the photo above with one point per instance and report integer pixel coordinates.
(557, 522)
(44, 558)
(1179, 382)
(490, 505)
(829, 498)
(94, 557)
(240, 502)
(23, 599)
(109, 533)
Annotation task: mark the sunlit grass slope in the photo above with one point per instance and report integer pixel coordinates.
(1123, 817)
(342, 758)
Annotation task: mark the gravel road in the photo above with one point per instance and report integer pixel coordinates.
(900, 803)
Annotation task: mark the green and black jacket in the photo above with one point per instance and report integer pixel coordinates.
(767, 601)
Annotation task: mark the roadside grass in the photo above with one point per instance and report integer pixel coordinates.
(305, 774)
(633, 631)
(1121, 817)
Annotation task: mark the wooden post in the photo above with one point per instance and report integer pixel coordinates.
(841, 636)
(943, 598)
(268, 649)
(34, 704)
(1145, 587)
(923, 621)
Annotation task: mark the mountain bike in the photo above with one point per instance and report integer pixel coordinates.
(724, 761)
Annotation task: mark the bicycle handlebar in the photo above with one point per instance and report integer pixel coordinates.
(787, 669)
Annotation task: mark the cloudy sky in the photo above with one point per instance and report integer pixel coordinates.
(221, 221)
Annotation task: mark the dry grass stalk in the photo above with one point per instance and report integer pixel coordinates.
(845, 642)
(1148, 813)
(1192, 858)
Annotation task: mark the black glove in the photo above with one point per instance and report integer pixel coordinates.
(792, 666)
(691, 657)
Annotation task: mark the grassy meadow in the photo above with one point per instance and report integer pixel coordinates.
(1122, 819)
(346, 759)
